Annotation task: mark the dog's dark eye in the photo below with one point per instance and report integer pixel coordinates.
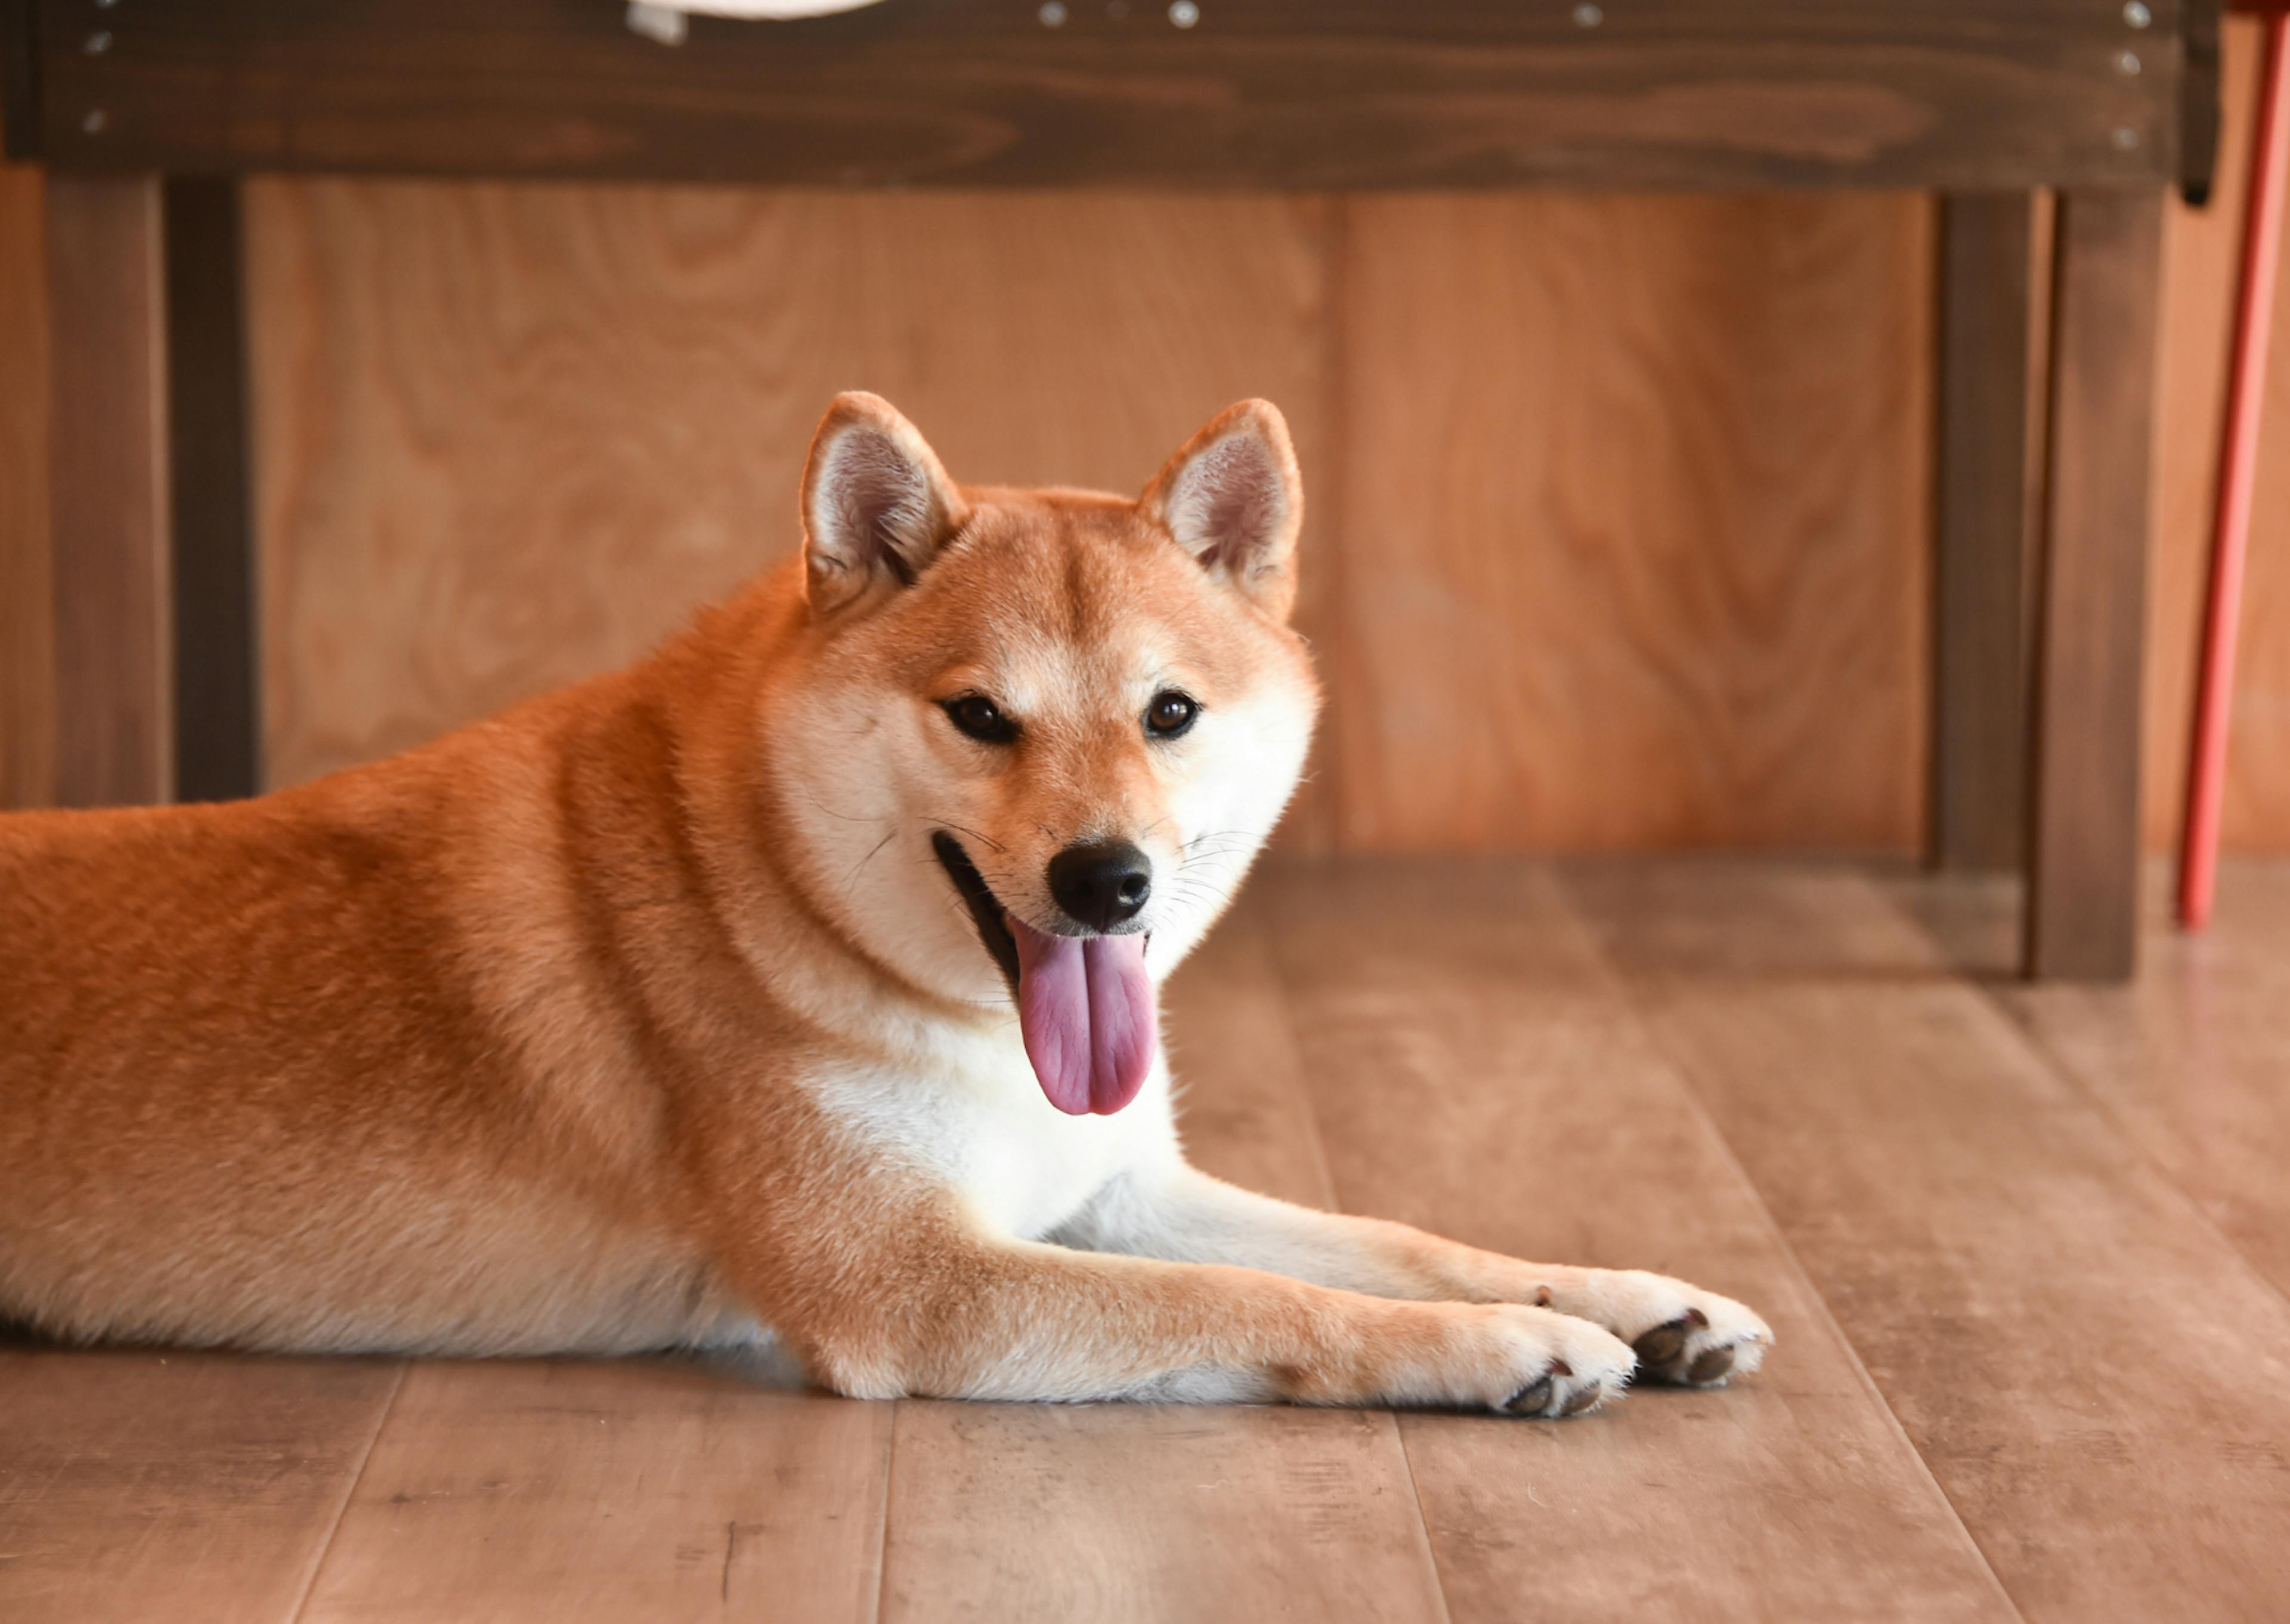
(1171, 713)
(981, 719)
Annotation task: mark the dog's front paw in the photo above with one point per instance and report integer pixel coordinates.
(1563, 1365)
(1678, 1334)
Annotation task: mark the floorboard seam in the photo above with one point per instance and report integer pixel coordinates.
(366, 1458)
(883, 1516)
(2072, 1075)
(2030, 1039)
(1319, 1144)
(1626, 990)
(1314, 1140)
(1422, 1518)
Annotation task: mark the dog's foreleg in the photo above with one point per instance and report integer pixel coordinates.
(971, 1316)
(1679, 1331)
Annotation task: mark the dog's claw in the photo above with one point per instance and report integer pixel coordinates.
(1532, 1399)
(1710, 1366)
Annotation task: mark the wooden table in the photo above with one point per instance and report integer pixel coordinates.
(146, 113)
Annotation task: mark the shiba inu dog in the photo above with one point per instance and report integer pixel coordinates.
(799, 982)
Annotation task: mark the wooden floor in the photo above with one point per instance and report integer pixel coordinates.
(2026, 1252)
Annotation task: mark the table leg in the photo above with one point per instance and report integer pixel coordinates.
(218, 698)
(152, 561)
(1983, 516)
(2084, 844)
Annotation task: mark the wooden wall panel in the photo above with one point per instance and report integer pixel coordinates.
(1622, 546)
(1634, 503)
(510, 436)
(2200, 251)
(1619, 503)
(26, 640)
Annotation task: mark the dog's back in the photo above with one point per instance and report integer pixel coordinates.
(269, 1070)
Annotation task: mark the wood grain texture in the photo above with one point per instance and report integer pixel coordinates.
(2197, 321)
(28, 695)
(1245, 94)
(2090, 617)
(2031, 1245)
(571, 1491)
(1165, 1512)
(1124, 1512)
(216, 677)
(1618, 505)
(1634, 498)
(508, 437)
(107, 490)
(1244, 1106)
(411, 450)
(18, 79)
(1477, 1072)
(188, 1486)
(2094, 1377)
(1985, 499)
(2190, 1062)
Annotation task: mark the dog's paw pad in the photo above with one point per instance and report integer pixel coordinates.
(1698, 1344)
(1660, 1347)
(1532, 1399)
(1558, 1392)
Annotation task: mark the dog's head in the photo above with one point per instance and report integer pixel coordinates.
(1041, 733)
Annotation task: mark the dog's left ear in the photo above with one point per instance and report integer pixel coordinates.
(876, 505)
(1231, 497)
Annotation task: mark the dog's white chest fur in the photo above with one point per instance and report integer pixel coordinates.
(973, 1115)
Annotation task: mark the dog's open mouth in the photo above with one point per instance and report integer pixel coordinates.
(1085, 1006)
(985, 912)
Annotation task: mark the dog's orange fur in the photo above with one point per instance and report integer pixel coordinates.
(502, 1045)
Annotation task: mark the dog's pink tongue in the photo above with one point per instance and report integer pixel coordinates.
(1086, 1010)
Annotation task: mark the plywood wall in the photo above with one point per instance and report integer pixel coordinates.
(508, 436)
(27, 655)
(1630, 522)
(1619, 507)
(2199, 283)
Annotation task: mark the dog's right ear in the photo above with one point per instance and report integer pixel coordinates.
(876, 505)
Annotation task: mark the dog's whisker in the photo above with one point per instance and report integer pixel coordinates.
(984, 839)
(845, 817)
(851, 882)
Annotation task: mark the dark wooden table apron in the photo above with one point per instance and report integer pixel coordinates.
(147, 111)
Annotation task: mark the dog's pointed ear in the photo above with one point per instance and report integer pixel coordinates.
(1232, 498)
(876, 505)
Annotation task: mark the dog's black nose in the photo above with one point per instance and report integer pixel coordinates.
(1101, 883)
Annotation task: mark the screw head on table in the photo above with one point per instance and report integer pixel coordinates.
(1588, 16)
(1053, 15)
(2136, 14)
(1184, 13)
